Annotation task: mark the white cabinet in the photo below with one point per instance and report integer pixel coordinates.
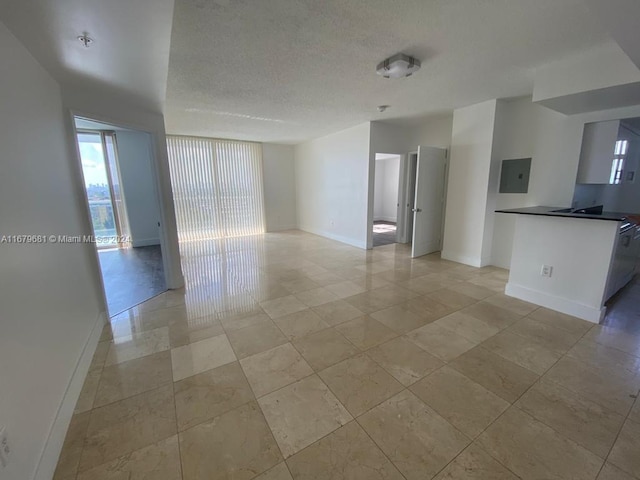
(625, 258)
(598, 146)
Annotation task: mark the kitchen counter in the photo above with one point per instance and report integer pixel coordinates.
(567, 262)
(564, 212)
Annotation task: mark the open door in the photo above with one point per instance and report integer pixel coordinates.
(429, 201)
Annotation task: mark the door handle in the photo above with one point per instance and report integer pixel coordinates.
(416, 210)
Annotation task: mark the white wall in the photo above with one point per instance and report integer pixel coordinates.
(138, 185)
(279, 186)
(589, 195)
(50, 296)
(390, 138)
(401, 139)
(468, 225)
(579, 250)
(104, 108)
(390, 186)
(386, 189)
(434, 132)
(514, 137)
(332, 185)
(378, 190)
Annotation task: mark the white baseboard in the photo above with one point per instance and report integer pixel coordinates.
(144, 242)
(453, 257)
(486, 261)
(53, 446)
(559, 304)
(500, 263)
(281, 228)
(332, 236)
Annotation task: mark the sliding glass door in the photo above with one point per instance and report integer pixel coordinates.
(217, 187)
(98, 153)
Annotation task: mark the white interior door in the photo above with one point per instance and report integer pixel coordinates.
(429, 201)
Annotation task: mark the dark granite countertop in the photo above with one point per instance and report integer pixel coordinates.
(552, 212)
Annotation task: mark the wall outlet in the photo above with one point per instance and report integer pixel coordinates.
(4, 447)
(546, 270)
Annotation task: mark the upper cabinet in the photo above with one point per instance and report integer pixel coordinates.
(598, 153)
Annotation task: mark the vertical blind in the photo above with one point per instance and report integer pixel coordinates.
(217, 187)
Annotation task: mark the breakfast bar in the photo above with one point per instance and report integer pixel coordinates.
(572, 261)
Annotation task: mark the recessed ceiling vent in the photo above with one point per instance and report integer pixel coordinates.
(398, 66)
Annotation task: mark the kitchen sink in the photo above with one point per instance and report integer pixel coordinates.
(585, 211)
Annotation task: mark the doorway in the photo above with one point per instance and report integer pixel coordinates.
(385, 199)
(124, 208)
(103, 187)
(419, 196)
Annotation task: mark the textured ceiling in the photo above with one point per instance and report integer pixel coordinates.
(290, 70)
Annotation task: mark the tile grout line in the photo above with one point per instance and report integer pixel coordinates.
(131, 451)
(513, 405)
(90, 412)
(626, 419)
(316, 373)
(404, 388)
(474, 440)
(256, 398)
(581, 396)
(355, 419)
(175, 413)
(371, 259)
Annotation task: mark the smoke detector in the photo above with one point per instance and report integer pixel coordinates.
(85, 39)
(382, 108)
(398, 66)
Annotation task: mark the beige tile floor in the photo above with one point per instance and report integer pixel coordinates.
(290, 356)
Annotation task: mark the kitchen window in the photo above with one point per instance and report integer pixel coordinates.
(617, 165)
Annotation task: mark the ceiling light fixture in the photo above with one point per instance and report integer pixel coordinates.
(398, 66)
(85, 39)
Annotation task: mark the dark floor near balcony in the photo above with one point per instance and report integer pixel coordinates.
(384, 233)
(131, 276)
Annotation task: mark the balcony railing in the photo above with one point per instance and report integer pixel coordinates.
(104, 222)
